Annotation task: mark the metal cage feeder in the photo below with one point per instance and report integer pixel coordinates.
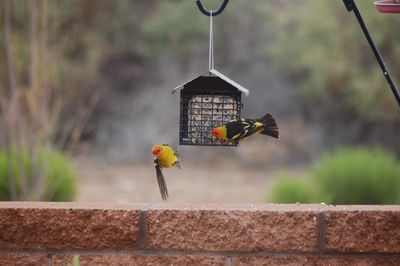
(208, 101)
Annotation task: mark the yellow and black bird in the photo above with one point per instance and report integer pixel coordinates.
(243, 128)
(164, 157)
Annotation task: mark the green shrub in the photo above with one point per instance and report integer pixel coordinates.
(292, 190)
(345, 176)
(358, 176)
(43, 174)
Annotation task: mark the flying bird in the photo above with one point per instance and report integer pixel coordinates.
(164, 157)
(243, 128)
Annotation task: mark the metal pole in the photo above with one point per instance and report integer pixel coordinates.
(351, 6)
(211, 45)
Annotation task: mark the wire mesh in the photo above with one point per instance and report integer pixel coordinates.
(202, 111)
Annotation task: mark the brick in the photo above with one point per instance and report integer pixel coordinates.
(262, 227)
(62, 225)
(366, 261)
(277, 261)
(363, 229)
(314, 260)
(139, 260)
(23, 259)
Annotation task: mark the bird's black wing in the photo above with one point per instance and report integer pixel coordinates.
(233, 128)
(239, 129)
(161, 180)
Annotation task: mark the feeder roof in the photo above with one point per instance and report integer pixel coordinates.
(221, 76)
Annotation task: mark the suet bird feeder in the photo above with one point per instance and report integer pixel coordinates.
(209, 100)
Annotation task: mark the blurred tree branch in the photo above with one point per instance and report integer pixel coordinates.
(7, 109)
(30, 103)
(10, 56)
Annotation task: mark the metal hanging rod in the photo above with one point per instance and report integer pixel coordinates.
(351, 6)
(212, 13)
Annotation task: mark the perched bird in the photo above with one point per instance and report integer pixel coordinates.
(164, 156)
(242, 128)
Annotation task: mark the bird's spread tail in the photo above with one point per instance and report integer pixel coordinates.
(270, 126)
(161, 183)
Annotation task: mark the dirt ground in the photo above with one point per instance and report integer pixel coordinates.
(101, 181)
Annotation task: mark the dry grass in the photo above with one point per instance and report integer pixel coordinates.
(102, 181)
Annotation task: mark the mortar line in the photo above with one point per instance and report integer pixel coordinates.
(321, 231)
(168, 252)
(142, 227)
(49, 260)
(228, 261)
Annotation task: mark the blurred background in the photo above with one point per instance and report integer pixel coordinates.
(85, 91)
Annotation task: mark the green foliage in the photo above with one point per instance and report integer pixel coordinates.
(359, 176)
(44, 175)
(75, 260)
(326, 56)
(176, 26)
(291, 190)
(345, 176)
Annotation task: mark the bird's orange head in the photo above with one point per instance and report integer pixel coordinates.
(218, 132)
(156, 149)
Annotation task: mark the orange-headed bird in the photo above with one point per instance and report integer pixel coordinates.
(243, 128)
(164, 156)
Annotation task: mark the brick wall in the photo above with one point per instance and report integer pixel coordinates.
(195, 234)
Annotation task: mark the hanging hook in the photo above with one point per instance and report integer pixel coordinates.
(211, 12)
